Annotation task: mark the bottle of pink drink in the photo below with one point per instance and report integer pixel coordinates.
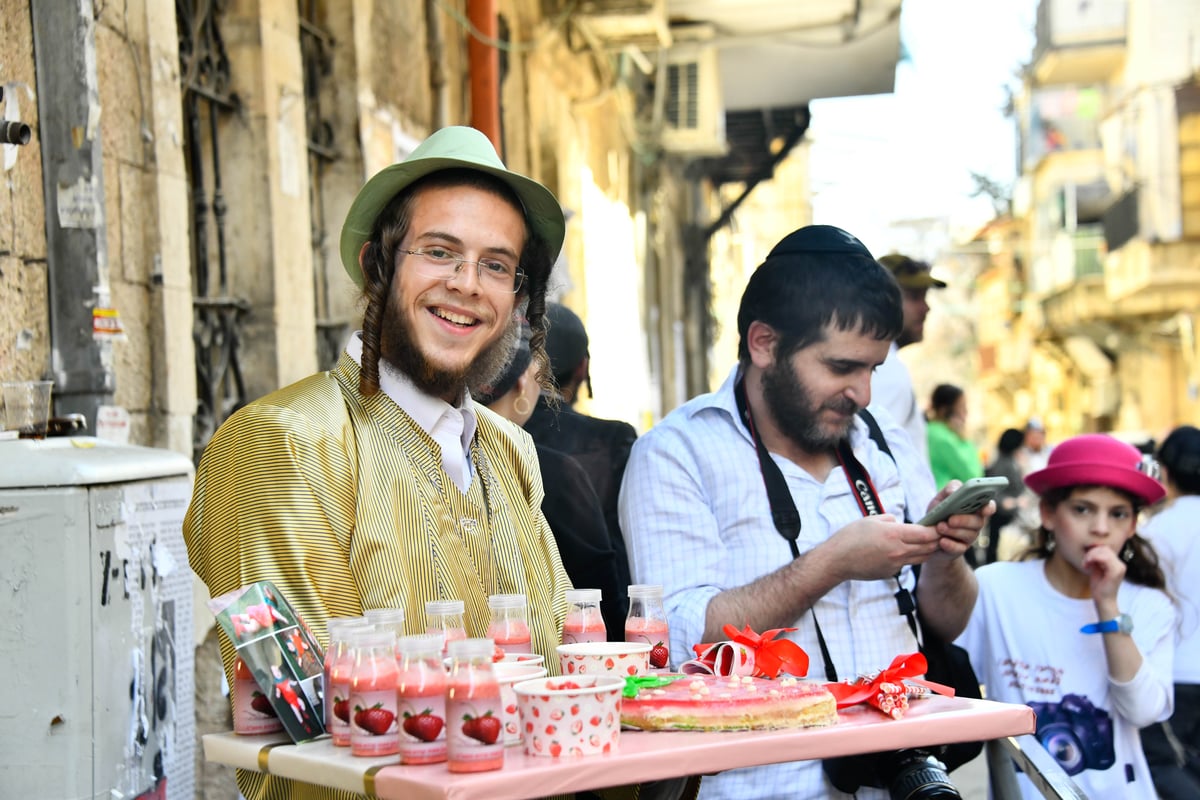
(647, 622)
(421, 702)
(334, 626)
(584, 622)
(474, 710)
(374, 728)
(509, 628)
(337, 689)
(445, 617)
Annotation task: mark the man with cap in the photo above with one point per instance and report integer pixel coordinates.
(600, 446)
(381, 483)
(710, 500)
(891, 386)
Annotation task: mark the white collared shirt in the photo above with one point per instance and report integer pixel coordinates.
(452, 427)
(696, 519)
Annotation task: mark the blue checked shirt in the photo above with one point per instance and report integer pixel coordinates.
(695, 517)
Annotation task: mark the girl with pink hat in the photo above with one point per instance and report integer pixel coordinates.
(1081, 628)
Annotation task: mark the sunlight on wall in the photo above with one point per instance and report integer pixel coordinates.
(610, 304)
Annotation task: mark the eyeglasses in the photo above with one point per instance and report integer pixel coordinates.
(442, 264)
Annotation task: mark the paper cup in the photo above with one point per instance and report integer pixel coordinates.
(507, 675)
(27, 408)
(571, 715)
(599, 658)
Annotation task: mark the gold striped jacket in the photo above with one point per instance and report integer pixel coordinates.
(341, 501)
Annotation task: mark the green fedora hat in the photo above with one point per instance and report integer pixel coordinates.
(449, 148)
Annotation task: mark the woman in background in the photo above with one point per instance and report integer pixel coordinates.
(951, 456)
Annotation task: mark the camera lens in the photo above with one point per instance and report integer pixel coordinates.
(921, 777)
(1062, 743)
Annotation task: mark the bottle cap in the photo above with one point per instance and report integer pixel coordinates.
(420, 644)
(433, 607)
(385, 616)
(583, 595)
(497, 601)
(374, 637)
(645, 589)
(466, 649)
(340, 627)
(336, 623)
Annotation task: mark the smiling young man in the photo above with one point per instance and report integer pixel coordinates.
(381, 483)
(815, 319)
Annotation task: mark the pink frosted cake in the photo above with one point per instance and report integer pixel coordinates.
(716, 703)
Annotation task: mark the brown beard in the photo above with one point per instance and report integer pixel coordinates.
(397, 346)
(795, 413)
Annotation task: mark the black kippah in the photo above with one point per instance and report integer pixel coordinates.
(819, 239)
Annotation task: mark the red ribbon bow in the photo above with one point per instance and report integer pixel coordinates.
(903, 667)
(771, 655)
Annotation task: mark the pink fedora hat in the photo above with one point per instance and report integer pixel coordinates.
(1097, 459)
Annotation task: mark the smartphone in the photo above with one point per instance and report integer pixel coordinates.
(966, 499)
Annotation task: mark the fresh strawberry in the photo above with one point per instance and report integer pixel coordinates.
(485, 729)
(375, 720)
(341, 709)
(424, 726)
(260, 703)
(659, 656)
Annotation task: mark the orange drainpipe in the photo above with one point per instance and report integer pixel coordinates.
(484, 62)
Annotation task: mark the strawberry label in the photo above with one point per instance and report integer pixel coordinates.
(374, 729)
(339, 706)
(422, 729)
(474, 732)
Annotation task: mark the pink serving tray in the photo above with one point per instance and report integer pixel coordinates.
(643, 756)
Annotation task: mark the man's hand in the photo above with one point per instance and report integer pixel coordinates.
(875, 548)
(957, 534)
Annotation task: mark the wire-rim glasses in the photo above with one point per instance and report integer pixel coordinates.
(443, 264)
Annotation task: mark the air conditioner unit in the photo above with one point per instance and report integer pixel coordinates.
(693, 111)
(617, 23)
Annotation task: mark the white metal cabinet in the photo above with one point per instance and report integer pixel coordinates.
(95, 622)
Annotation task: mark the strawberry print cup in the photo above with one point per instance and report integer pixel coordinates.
(509, 674)
(600, 658)
(571, 715)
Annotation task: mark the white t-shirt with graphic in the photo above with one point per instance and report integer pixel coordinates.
(1026, 647)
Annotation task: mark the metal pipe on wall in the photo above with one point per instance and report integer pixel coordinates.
(64, 47)
(484, 62)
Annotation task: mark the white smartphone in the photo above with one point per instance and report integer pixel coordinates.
(966, 499)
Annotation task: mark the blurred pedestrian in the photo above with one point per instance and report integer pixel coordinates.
(1173, 747)
(571, 504)
(1033, 455)
(951, 455)
(891, 384)
(1035, 451)
(600, 446)
(1005, 465)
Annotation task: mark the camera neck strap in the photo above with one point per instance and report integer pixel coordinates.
(787, 518)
